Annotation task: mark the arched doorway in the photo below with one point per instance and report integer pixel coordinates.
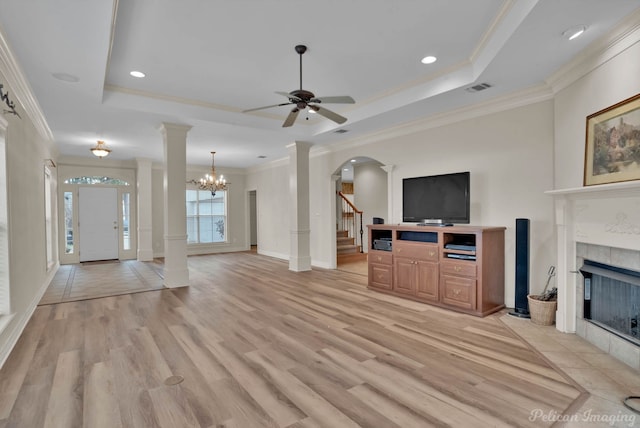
(361, 196)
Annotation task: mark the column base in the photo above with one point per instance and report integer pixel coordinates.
(300, 264)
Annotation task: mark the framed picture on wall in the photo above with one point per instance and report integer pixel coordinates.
(612, 150)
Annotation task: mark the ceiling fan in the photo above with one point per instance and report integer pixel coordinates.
(303, 99)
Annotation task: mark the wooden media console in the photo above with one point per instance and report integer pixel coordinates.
(455, 267)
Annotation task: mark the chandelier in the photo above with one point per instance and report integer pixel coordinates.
(211, 182)
(100, 150)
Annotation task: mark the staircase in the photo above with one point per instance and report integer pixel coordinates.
(346, 244)
(349, 233)
(346, 248)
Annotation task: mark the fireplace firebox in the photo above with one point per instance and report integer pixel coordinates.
(612, 299)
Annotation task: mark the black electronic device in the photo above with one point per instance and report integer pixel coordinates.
(378, 220)
(461, 256)
(464, 247)
(382, 244)
(437, 199)
(521, 308)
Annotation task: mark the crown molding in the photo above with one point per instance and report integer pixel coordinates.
(625, 35)
(21, 89)
(518, 99)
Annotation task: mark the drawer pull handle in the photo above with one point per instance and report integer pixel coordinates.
(432, 253)
(456, 292)
(457, 268)
(379, 258)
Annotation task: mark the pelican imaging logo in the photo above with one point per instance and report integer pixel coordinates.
(588, 416)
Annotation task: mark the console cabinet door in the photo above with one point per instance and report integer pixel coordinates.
(380, 276)
(459, 291)
(427, 281)
(404, 275)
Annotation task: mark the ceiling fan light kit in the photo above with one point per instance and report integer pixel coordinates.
(303, 99)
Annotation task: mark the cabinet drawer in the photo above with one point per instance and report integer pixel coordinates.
(458, 268)
(380, 276)
(458, 291)
(380, 257)
(413, 250)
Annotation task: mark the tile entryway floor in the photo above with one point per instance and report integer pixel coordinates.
(101, 279)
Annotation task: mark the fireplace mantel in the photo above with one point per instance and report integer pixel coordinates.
(612, 190)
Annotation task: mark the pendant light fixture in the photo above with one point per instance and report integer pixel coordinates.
(100, 150)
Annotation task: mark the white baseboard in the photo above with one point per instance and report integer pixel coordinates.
(323, 265)
(19, 325)
(274, 254)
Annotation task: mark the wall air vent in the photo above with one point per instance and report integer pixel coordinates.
(478, 87)
(340, 131)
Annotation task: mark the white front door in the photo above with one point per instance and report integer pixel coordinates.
(98, 228)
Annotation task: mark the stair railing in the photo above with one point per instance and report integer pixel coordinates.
(351, 217)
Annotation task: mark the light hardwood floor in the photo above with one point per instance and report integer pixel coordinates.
(259, 346)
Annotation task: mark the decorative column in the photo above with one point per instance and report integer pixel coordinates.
(176, 271)
(566, 280)
(300, 248)
(389, 170)
(144, 210)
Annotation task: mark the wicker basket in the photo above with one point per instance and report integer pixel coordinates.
(542, 312)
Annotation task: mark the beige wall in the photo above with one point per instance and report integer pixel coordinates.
(610, 82)
(271, 184)
(26, 151)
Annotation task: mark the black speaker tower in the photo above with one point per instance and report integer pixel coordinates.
(522, 269)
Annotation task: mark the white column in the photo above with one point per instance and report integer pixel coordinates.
(144, 210)
(300, 248)
(176, 271)
(566, 312)
(389, 170)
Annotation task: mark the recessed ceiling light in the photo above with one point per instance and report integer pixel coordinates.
(66, 77)
(353, 160)
(574, 32)
(428, 59)
(138, 74)
(346, 169)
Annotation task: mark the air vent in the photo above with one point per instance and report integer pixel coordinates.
(340, 131)
(478, 87)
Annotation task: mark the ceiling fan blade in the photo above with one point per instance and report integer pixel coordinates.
(330, 114)
(262, 108)
(288, 95)
(344, 99)
(291, 118)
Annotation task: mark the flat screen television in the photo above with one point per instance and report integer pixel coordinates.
(436, 199)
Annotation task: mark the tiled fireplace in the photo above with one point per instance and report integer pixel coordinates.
(622, 346)
(600, 224)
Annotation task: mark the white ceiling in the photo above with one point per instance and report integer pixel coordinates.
(206, 61)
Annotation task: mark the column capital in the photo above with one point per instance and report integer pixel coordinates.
(298, 145)
(166, 127)
(143, 162)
